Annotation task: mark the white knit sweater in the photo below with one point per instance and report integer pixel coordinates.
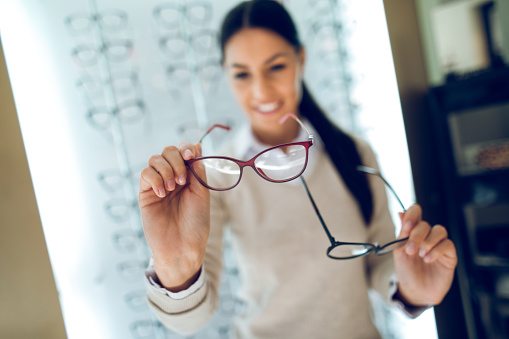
(290, 287)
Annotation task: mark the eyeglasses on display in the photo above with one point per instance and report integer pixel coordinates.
(175, 44)
(169, 15)
(111, 20)
(181, 73)
(127, 241)
(137, 300)
(129, 111)
(86, 55)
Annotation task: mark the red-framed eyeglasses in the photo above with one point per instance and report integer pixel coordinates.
(278, 164)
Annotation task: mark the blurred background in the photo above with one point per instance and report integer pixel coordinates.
(90, 89)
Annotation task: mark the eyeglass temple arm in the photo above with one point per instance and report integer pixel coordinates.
(372, 171)
(291, 115)
(213, 127)
(281, 121)
(331, 238)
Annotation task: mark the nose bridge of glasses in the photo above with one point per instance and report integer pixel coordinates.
(252, 163)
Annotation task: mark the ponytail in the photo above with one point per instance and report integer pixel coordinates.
(342, 151)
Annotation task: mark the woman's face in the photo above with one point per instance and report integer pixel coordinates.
(265, 73)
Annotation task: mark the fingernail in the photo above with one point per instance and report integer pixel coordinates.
(188, 154)
(422, 252)
(162, 193)
(427, 258)
(170, 183)
(411, 249)
(181, 179)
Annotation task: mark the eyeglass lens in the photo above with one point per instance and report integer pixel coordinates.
(128, 112)
(392, 246)
(282, 164)
(169, 15)
(343, 250)
(346, 251)
(277, 164)
(82, 22)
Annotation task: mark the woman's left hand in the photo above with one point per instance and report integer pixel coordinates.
(425, 266)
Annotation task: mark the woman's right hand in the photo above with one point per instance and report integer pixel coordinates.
(175, 210)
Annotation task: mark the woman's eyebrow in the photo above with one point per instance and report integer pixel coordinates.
(268, 61)
(275, 56)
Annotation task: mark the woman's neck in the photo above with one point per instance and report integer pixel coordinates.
(286, 134)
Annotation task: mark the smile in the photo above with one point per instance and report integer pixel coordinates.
(268, 107)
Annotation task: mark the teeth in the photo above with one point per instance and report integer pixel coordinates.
(267, 107)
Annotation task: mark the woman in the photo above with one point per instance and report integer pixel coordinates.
(290, 288)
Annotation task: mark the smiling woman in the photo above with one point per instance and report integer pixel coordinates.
(276, 239)
(81, 146)
(268, 87)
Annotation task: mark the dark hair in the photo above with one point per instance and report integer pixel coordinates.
(271, 15)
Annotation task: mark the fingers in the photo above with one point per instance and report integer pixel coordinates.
(444, 249)
(197, 168)
(188, 150)
(151, 179)
(410, 219)
(167, 170)
(437, 234)
(173, 160)
(424, 241)
(417, 237)
(429, 243)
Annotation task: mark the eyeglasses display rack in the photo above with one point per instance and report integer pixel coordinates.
(327, 29)
(111, 91)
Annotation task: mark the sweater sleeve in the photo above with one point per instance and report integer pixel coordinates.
(190, 314)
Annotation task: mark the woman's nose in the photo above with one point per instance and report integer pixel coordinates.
(261, 88)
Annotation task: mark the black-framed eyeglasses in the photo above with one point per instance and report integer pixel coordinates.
(348, 250)
(278, 164)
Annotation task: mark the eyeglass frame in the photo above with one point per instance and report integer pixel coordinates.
(379, 250)
(99, 18)
(192, 39)
(103, 49)
(172, 69)
(184, 10)
(117, 111)
(251, 161)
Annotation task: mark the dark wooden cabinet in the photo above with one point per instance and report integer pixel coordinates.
(470, 124)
